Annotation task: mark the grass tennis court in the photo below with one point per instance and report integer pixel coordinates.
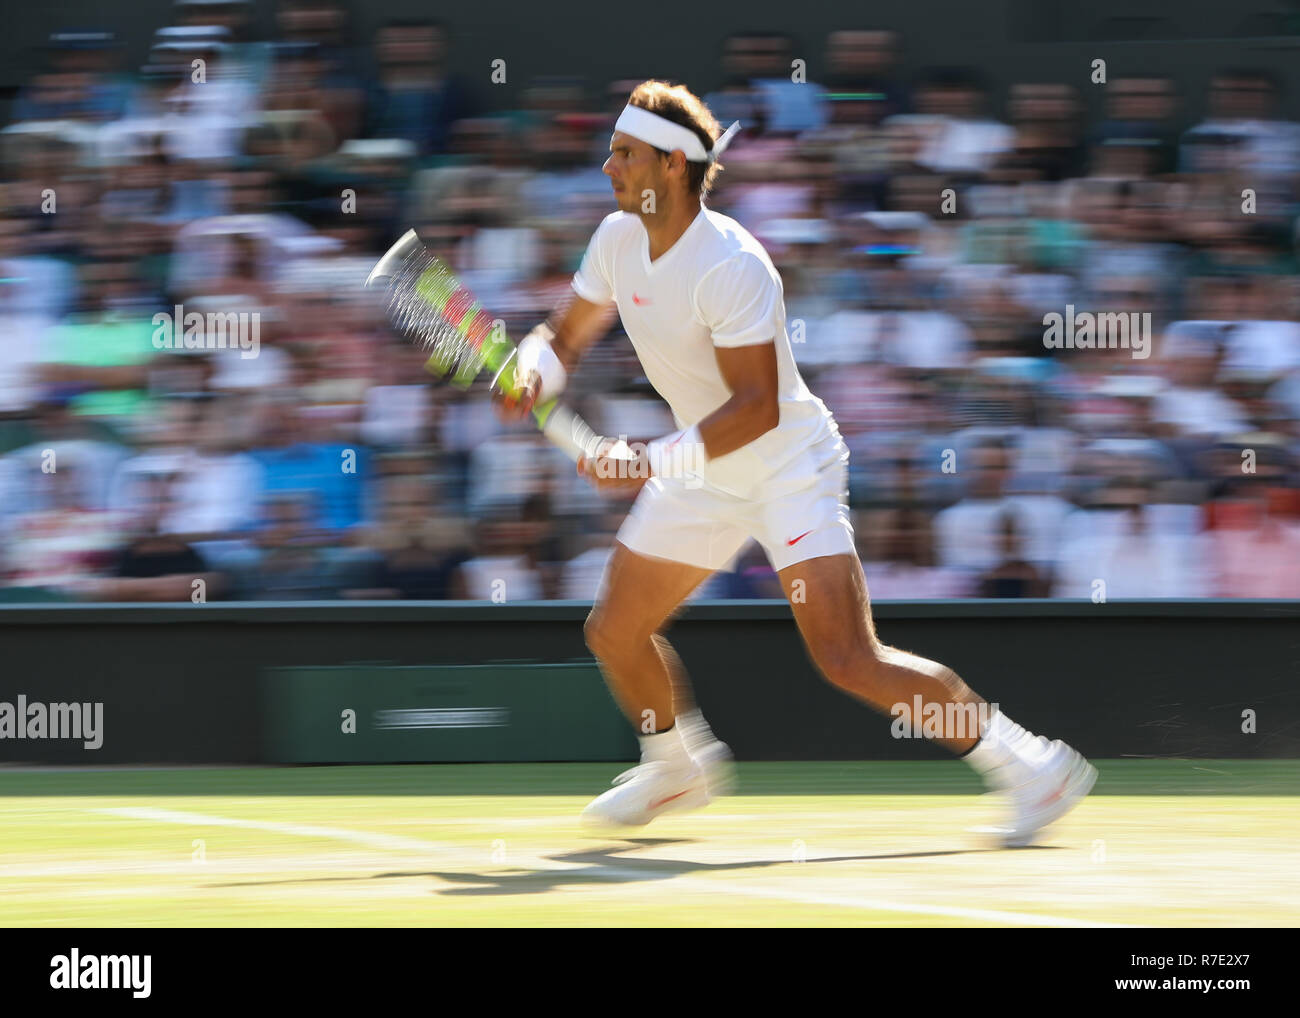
(1165, 843)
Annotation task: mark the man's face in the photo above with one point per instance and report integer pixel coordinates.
(633, 168)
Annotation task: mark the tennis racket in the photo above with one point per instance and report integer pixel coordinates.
(429, 306)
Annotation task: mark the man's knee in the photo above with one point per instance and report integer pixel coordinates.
(593, 631)
(606, 637)
(852, 664)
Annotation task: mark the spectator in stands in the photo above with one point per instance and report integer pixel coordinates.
(969, 533)
(293, 460)
(1119, 550)
(1254, 521)
(417, 544)
(506, 566)
(1137, 138)
(956, 134)
(920, 238)
(66, 543)
(1012, 576)
(865, 63)
(897, 549)
(1191, 403)
(154, 566)
(1048, 147)
(415, 97)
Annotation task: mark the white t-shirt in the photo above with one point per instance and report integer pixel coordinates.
(715, 287)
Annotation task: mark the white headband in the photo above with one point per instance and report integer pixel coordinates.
(663, 133)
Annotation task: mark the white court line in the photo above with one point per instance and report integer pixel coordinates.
(398, 843)
(382, 841)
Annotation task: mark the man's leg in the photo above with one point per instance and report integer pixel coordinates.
(831, 606)
(643, 672)
(833, 612)
(682, 765)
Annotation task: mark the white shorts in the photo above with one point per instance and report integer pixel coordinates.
(798, 514)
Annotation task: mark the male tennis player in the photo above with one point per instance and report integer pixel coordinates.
(757, 456)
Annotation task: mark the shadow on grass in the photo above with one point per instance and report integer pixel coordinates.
(603, 865)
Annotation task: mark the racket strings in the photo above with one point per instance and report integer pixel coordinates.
(428, 305)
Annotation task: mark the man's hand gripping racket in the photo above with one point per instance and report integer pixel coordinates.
(429, 306)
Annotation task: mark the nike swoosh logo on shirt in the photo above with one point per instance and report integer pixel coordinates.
(795, 540)
(640, 300)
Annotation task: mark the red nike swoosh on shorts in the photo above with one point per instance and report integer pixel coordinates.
(664, 802)
(640, 300)
(796, 540)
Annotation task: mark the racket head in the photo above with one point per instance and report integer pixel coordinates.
(420, 289)
(430, 307)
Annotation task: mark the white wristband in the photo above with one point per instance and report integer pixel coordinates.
(677, 455)
(535, 354)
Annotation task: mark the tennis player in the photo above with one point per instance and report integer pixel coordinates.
(756, 456)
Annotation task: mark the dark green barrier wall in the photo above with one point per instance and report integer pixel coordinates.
(184, 683)
(446, 713)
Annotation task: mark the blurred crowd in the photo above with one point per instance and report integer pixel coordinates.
(924, 226)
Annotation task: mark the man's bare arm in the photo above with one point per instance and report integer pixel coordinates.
(753, 410)
(754, 407)
(577, 325)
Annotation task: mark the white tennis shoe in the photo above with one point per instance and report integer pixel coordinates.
(1061, 779)
(705, 749)
(714, 758)
(648, 790)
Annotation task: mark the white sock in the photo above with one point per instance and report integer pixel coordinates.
(1006, 754)
(666, 746)
(696, 732)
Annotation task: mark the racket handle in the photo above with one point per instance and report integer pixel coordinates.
(569, 432)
